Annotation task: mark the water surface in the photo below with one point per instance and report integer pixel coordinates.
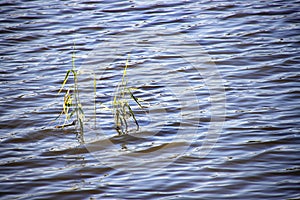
(253, 45)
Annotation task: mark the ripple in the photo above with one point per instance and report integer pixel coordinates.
(254, 45)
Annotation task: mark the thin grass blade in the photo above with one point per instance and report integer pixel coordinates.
(65, 81)
(134, 98)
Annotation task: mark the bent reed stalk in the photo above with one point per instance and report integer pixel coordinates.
(121, 109)
(71, 103)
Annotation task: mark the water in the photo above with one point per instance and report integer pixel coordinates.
(185, 56)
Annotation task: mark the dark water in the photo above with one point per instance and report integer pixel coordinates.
(185, 56)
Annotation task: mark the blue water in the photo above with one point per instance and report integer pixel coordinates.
(219, 81)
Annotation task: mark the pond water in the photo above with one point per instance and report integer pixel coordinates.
(218, 82)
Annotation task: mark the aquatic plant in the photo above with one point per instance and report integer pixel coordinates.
(71, 103)
(122, 110)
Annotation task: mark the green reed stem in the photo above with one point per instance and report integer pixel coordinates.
(71, 95)
(121, 108)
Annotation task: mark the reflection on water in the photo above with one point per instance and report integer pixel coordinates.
(254, 46)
